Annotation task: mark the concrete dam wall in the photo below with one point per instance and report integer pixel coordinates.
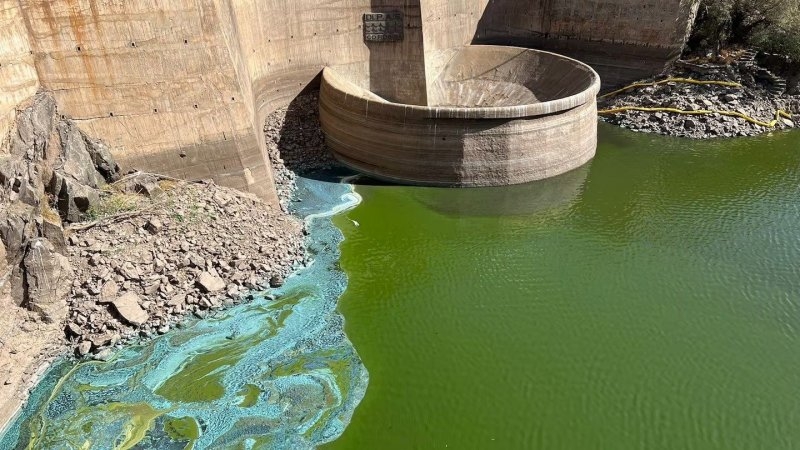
(182, 87)
(622, 40)
(18, 78)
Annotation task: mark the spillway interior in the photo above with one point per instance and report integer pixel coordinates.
(487, 76)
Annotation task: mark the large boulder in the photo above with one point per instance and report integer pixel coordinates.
(34, 127)
(143, 184)
(51, 227)
(77, 162)
(102, 159)
(48, 279)
(210, 283)
(73, 199)
(127, 307)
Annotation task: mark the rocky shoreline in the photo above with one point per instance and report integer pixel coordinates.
(748, 90)
(187, 248)
(91, 260)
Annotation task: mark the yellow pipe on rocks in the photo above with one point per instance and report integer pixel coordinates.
(671, 80)
(778, 114)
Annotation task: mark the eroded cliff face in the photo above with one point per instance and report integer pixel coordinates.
(183, 87)
(50, 173)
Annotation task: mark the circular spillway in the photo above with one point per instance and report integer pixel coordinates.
(497, 115)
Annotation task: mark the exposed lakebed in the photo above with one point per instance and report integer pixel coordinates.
(650, 299)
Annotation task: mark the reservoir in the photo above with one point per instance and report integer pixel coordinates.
(649, 299)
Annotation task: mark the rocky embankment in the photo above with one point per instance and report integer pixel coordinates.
(90, 259)
(758, 94)
(295, 143)
(182, 248)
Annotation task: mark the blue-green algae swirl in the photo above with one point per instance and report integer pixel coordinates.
(270, 374)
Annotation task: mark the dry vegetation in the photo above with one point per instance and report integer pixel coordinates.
(767, 25)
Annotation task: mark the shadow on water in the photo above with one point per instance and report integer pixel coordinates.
(536, 197)
(517, 200)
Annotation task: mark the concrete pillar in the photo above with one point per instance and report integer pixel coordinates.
(397, 69)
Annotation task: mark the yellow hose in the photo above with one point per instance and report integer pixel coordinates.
(778, 114)
(671, 80)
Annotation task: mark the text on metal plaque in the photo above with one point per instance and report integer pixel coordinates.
(383, 27)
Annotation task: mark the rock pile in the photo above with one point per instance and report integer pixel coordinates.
(756, 98)
(191, 248)
(295, 143)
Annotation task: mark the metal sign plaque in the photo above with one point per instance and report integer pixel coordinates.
(383, 27)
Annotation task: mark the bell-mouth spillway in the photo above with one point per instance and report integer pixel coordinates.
(497, 115)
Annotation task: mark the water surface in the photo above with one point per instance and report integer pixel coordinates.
(650, 300)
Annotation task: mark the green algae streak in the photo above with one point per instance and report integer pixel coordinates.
(183, 429)
(137, 419)
(249, 393)
(650, 300)
(201, 379)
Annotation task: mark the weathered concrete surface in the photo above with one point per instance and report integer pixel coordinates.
(156, 80)
(623, 40)
(525, 82)
(397, 69)
(449, 26)
(18, 79)
(488, 142)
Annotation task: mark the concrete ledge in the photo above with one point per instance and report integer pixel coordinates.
(470, 146)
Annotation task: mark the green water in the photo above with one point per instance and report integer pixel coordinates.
(650, 300)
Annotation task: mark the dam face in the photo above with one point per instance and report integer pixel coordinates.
(182, 87)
